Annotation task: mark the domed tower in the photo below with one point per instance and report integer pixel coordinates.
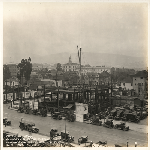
(70, 61)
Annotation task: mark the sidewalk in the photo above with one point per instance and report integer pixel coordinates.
(23, 133)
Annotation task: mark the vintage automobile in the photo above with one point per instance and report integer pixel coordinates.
(20, 109)
(120, 113)
(97, 122)
(53, 133)
(57, 115)
(141, 113)
(131, 117)
(28, 126)
(43, 112)
(5, 101)
(66, 137)
(70, 117)
(35, 111)
(84, 140)
(31, 128)
(120, 145)
(110, 116)
(27, 110)
(100, 144)
(108, 124)
(6, 122)
(121, 126)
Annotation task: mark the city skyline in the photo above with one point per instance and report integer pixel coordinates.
(39, 30)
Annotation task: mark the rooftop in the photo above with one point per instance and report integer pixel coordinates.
(143, 74)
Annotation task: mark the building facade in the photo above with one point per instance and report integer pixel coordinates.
(127, 83)
(94, 69)
(70, 66)
(140, 81)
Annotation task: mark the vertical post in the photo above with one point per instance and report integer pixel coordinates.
(58, 98)
(80, 74)
(24, 93)
(111, 85)
(18, 91)
(13, 92)
(44, 93)
(65, 129)
(6, 90)
(37, 94)
(127, 143)
(80, 64)
(83, 92)
(74, 95)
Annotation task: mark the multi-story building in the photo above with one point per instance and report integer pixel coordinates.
(13, 69)
(127, 83)
(94, 69)
(70, 66)
(140, 82)
(84, 69)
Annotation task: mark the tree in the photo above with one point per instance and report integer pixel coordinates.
(44, 72)
(59, 67)
(6, 73)
(25, 68)
(71, 77)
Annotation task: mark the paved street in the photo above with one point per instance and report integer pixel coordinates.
(77, 129)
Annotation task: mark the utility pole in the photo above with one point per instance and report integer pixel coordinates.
(58, 98)
(80, 75)
(44, 93)
(6, 90)
(13, 92)
(111, 85)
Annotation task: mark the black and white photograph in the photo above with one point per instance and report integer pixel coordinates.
(75, 74)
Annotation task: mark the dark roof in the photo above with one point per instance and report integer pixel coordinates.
(104, 74)
(127, 80)
(143, 74)
(71, 64)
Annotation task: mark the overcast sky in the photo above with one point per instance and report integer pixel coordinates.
(48, 28)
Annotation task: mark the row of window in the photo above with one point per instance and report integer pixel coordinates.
(70, 66)
(141, 78)
(135, 84)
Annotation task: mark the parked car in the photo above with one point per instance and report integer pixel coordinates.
(132, 117)
(53, 133)
(28, 126)
(97, 122)
(119, 114)
(35, 111)
(6, 122)
(82, 139)
(20, 109)
(66, 137)
(108, 124)
(121, 126)
(57, 115)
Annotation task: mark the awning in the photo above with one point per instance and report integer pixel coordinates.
(69, 106)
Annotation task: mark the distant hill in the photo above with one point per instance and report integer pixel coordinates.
(98, 59)
(94, 59)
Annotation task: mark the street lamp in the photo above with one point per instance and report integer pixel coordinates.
(127, 142)
(65, 128)
(135, 144)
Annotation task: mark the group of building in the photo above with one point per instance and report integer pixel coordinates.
(137, 83)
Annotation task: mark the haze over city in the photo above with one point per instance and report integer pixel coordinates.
(47, 31)
(75, 74)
